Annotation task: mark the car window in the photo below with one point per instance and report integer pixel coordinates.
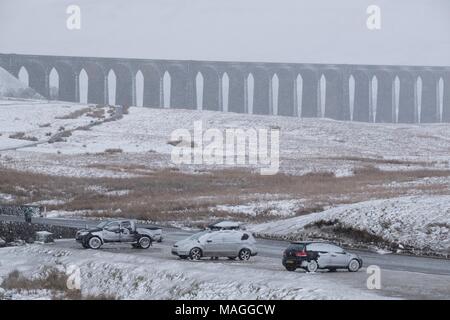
(334, 248)
(245, 236)
(112, 226)
(296, 246)
(216, 236)
(198, 235)
(126, 225)
(319, 247)
(101, 225)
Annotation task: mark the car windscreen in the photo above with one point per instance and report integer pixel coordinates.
(198, 235)
(101, 225)
(296, 247)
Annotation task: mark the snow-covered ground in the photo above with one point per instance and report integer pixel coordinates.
(419, 222)
(158, 275)
(306, 145)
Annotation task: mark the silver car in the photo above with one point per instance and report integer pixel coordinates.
(313, 255)
(224, 243)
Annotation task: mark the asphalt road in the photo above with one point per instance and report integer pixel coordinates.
(274, 248)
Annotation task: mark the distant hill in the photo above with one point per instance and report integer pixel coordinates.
(12, 87)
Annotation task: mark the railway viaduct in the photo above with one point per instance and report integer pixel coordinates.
(324, 89)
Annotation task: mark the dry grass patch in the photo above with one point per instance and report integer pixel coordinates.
(171, 195)
(75, 114)
(22, 136)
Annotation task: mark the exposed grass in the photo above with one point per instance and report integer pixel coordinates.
(113, 150)
(75, 114)
(171, 195)
(22, 136)
(52, 280)
(337, 229)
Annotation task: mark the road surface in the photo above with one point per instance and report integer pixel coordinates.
(402, 276)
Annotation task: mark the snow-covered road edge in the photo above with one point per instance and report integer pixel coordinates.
(127, 276)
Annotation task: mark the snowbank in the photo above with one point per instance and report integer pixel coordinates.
(10, 86)
(280, 208)
(418, 222)
(160, 276)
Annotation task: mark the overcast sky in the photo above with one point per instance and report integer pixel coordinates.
(413, 32)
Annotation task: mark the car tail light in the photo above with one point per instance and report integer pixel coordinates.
(300, 254)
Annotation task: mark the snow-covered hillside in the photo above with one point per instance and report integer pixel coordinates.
(419, 222)
(306, 145)
(12, 87)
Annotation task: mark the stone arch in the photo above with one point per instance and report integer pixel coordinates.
(198, 90)
(125, 85)
(153, 86)
(139, 80)
(385, 107)
(310, 93)
(334, 105)
(361, 96)
(111, 87)
(97, 91)
(274, 94)
(429, 106)
(287, 92)
(53, 83)
(4, 63)
(37, 76)
(167, 83)
(262, 93)
(23, 75)
(83, 86)
(68, 89)
(212, 87)
(407, 112)
(225, 91)
(446, 98)
(237, 101)
(179, 88)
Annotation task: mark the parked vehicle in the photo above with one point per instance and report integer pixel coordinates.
(223, 243)
(312, 256)
(225, 225)
(119, 231)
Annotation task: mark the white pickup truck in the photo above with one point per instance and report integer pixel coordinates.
(119, 231)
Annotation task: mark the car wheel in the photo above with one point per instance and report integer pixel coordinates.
(195, 254)
(312, 266)
(353, 266)
(94, 243)
(245, 254)
(290, 268)
(145, 242)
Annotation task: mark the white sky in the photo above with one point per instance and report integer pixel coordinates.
(414, 32)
